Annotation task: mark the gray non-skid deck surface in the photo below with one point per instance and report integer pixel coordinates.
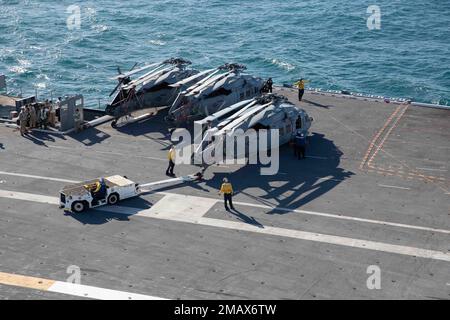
(407, 181)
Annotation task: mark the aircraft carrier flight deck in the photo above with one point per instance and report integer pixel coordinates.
(374, 190)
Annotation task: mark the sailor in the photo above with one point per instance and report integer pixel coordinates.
(171, 157)
(58, 109)
(33, 117)
(51, 114)
(300, 84)
(23, 121)
(77, 120)
(300, 144)
(227, 190)
(98, 190)
(269, 84)
(101, 192)
(27, 112)
(43, 117)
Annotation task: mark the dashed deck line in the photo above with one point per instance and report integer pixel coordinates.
(404, 174)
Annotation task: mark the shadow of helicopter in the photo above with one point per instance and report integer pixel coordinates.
(297, 183)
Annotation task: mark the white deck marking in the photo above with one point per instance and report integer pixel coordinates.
(328, 215)
(36, 177)
(321, 214)
(329, 179)
(172, 205)
(124, 154)
(335, 216)
(11, 279)
(28, 197)
(432, 169)
(96, 292)
(329, 239)
(393, 187)
(181, 216)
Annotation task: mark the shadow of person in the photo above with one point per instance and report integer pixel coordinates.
(246, 219)
(317, 104)
(35, 140)
(297, 183)
(43, 136)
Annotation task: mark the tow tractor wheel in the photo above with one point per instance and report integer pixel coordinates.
(113, 198)
(79, 206)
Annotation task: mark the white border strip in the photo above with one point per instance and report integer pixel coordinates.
(24, 196)
(329, 239)
(48, 285)
(91, 292)
(287, 233)
(37, 177)
(274, 231)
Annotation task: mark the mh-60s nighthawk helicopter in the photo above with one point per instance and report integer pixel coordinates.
(244, 120)
(223, 87)
(150, 89)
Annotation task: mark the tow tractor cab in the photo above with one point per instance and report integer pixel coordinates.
(80, 197)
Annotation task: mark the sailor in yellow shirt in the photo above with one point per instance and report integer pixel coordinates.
(171, 157)
(98, 190)
(300, 84)
(227, 190)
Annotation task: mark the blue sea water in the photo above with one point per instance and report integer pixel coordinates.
(327, 42)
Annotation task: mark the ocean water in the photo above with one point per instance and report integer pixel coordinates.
(327, 42)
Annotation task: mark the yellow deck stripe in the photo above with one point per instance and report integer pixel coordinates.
(25, 281)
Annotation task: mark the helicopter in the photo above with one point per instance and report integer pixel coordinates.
(150, 88)
(222, 87)
(242, 121)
